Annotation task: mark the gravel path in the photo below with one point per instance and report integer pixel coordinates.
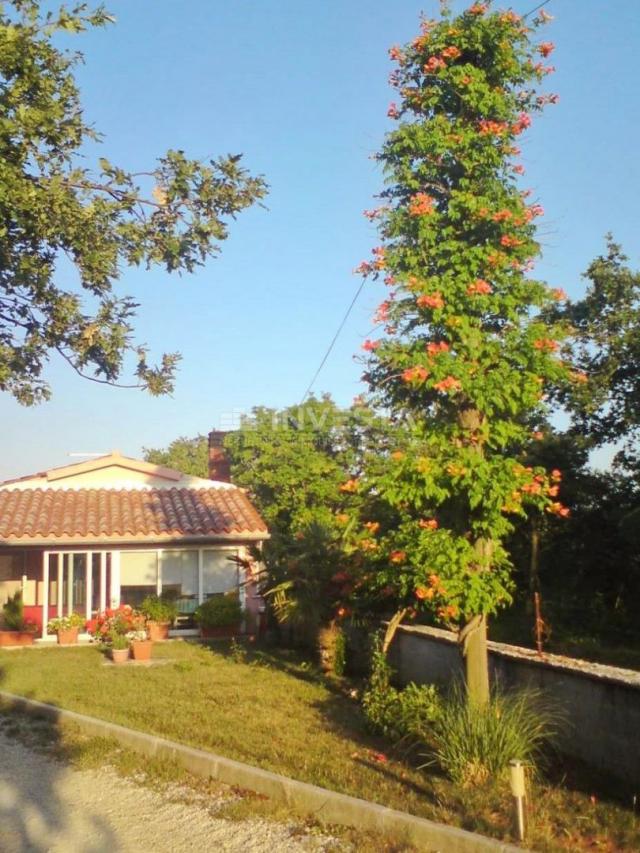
(48, 806)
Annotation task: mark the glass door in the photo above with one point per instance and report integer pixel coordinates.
(138, 576)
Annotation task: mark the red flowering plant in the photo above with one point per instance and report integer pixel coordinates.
(466, 354)
(120, 621)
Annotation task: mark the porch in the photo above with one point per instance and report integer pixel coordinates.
(64, 581)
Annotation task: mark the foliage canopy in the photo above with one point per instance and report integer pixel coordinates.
(188, 455)
(465, 351)
(63, 222)
(606, 345)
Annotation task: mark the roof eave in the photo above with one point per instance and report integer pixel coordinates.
(106, 542)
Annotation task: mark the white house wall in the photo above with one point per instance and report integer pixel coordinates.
(115, 477)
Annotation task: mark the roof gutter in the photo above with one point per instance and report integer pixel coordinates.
(170, 539)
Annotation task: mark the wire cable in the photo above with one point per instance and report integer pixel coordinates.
(333, 340)
(535, 9)
(359, 290)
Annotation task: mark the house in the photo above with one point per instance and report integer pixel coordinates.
(112, 530)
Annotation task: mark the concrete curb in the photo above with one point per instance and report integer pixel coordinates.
(327, 806)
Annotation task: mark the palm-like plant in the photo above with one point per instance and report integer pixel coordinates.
(308, 588)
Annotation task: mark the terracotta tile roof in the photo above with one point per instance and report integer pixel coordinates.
(92, 515)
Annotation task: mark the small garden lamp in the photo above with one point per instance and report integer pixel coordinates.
(519, 792)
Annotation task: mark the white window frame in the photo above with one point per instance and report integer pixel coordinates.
(114, 587)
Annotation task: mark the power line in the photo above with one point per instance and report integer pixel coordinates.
(333, 341)
(535, 9)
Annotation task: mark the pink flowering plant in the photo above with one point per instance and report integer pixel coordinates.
(118, 621)
(464, 354)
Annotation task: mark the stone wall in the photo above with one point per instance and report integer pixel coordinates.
(602, 703)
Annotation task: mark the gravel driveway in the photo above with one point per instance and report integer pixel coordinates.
(48, 806)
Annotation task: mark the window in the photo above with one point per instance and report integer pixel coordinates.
(11, 571)
(179, 574)
(71, 566)
(175, 573)
(219, 573)
(138, 576)
(11, 567)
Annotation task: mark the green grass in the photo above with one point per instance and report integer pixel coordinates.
(272, 710)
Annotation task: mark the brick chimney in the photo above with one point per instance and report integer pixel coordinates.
(219, 465)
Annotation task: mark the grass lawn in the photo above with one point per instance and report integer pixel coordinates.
(271, 709)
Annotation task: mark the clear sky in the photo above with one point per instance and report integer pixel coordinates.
(301, 89)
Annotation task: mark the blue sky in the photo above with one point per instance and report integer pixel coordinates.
(301, 89)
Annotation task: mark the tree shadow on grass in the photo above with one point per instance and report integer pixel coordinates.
(342, 714)
(575, 775)
(347, 720)
(290, 661)
(34, 811)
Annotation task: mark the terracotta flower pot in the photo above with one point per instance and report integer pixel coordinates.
(16, 638)
(68, 636)
(141, 649)
(220, 631)
(158, 630)
(119, 655)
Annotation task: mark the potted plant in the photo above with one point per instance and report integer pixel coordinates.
(119, 648)
(115, 620)
(17, 632)
(111, 628)
(161, 613)
(67, 628)
(141, 645)
(219, 616)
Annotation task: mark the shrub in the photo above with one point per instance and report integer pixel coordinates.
(13, 612)
(398, 714)
(159, 608)
(219, 611)
(474, 743)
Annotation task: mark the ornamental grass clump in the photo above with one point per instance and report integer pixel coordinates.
(474, 743)
(118, 642)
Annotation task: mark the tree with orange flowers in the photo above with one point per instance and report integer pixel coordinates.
(464, 356)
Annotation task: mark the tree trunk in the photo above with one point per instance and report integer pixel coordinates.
(534, 564)
(327, 641)
(472, 638)
(473, 643)
(392, 627)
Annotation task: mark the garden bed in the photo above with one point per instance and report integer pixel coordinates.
(273, 710)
